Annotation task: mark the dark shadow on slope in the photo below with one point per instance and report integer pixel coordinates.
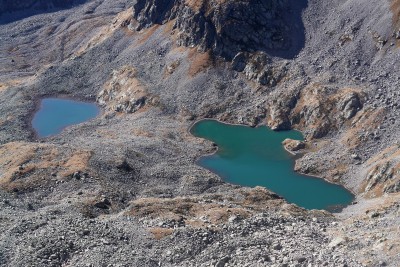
(296, 35)
(230, 27)
(13, 10)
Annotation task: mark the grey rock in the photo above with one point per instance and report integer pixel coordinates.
(103, 204)
(225, 27)
(223, 261)
(337, 241)
(277, 246)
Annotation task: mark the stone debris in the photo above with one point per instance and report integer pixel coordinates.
(104, 193)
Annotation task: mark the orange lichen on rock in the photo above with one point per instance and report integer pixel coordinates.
(79, 161)
(26, 165)
(199, 62)
(160, 233)
(212, 209)
(12, 156)
(3, 86)
(395, 8)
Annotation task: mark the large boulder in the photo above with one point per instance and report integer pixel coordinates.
(293, 145)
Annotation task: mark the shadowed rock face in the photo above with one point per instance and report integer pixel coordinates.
(149, 12)
(225, 27)
(16, 5)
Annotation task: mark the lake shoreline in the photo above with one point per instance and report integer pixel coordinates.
(37, 103)
(295, 155)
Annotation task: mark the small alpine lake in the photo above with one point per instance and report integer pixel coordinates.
(256, 157)
(55, 114)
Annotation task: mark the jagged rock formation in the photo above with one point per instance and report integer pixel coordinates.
(260, 68)
(225, 27)
(383, 176)
(315, 109)
(124, 93)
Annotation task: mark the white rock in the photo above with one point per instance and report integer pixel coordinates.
(337, 241)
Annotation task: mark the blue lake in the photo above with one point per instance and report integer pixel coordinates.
(255, 157)
(55, 114)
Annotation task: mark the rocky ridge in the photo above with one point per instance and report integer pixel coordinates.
(225, 27)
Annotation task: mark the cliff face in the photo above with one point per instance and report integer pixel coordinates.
(225, 27)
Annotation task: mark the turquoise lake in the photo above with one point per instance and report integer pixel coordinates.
(255, 157)
(55, 114)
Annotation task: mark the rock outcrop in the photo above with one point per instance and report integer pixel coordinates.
(23, 165)
(316, 110)
(124, 93)
(259, 67)
(384, 174)
(293, 145)
(225, 27)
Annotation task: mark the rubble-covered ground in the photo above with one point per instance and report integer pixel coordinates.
(124, 190)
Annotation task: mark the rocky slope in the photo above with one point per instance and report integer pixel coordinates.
(124, 189)
(10, 6)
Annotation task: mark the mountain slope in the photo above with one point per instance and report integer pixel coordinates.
(126, 184)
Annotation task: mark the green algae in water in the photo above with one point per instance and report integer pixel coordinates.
(255, 157)
(56, 114)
